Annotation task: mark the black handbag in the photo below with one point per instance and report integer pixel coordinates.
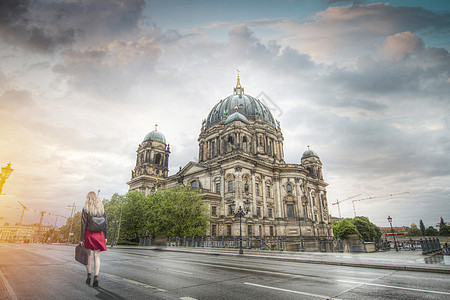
(81, 254)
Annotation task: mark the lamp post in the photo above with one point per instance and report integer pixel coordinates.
(392, 230)
(71, 222)
(240, 213)
(120, 221)
(6, 172)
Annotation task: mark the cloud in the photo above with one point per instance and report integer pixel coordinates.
(46, 27)
(111, 68)
(402, 44)
(340, 32)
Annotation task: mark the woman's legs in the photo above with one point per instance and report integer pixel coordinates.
(96, 267)
(96, 262)
(88, 266)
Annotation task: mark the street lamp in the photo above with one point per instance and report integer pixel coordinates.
(71, 216)
(120, 221)
(392, 230)
(240, 213)
(6, 172)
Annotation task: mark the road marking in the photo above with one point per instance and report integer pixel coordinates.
(393, 287)
(323, 278)
(289, 291)
(187, 298)
(136, 282)
(178, 271)
(8, 287)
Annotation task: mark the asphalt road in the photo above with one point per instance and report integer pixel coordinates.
(50, 272)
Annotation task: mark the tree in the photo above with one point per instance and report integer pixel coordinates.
(175, 212)
(112, 209)
(367, 229)
(135, 214)
(431, 231)
(178, 212)
(76, 228)
(344, 228)
(422, 227)
(444, 230)
(414, 232)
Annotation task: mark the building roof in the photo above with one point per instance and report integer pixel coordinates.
(247, 106)
(236, 116)
(309, 153)
(156, 136)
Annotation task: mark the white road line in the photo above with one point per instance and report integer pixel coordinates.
(289, 291)
(393, 287)
(8, 287)
(323, 278)
(178, 271)
(135, 282)
(187, 298)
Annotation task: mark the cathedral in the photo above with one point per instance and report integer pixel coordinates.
(241, 164)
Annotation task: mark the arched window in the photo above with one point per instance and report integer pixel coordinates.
(158, 159)
(230, 144)
(289, 188)
(244, 144)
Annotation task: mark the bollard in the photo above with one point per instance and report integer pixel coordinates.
(263, 247)
(202, 241)
(422, 245)
(212, 242)
(280, 244)
(302, 246)
(340, 246)
(331, 246)
(439, 244)
(235, 242)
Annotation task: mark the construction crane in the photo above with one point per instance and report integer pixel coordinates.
(337, 202)
(23, 211)
(369, 198)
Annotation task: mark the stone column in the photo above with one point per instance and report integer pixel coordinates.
(277, 193)
(253, 171)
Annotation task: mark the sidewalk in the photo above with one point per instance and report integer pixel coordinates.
(401, 260)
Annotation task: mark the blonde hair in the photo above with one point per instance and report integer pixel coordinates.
(93, 205)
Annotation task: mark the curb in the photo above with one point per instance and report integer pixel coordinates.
(308, 261)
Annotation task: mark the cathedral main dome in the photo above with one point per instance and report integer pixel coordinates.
(251, 108)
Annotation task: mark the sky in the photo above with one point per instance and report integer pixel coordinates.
(366, 84)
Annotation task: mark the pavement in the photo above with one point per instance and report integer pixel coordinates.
(393, 260)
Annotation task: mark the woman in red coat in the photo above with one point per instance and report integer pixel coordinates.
(93, 240)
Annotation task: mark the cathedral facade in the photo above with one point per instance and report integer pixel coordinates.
(241, 162)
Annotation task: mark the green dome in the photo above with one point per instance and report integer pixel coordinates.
(309, 153)
(236, 117)
(155, 136)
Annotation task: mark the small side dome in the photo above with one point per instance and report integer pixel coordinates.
(236, 116)
(309, 153)
(155, 136)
